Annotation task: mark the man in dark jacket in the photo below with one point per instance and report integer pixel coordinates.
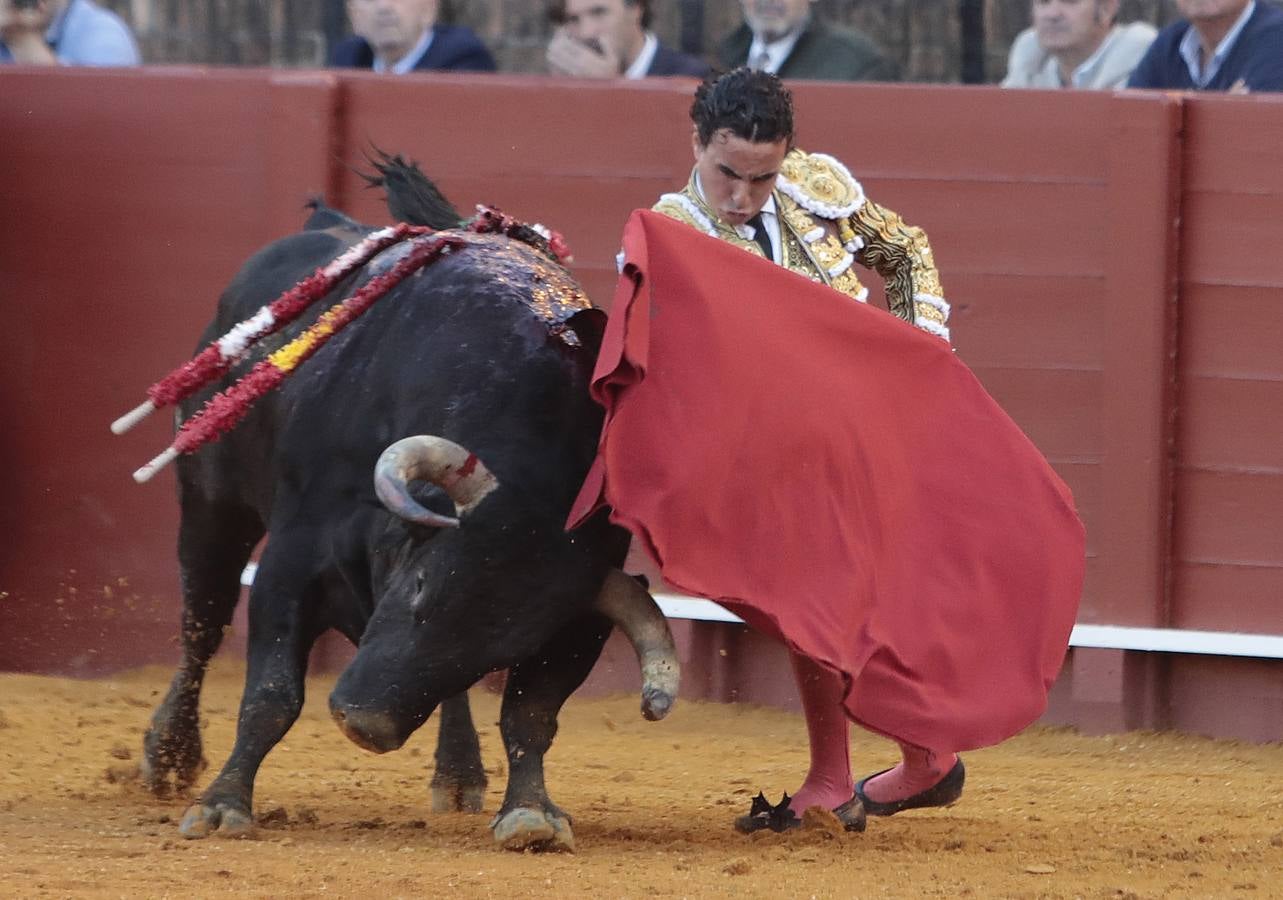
(400, 36)
(612, 39)
(1220, 45)
(784, 38)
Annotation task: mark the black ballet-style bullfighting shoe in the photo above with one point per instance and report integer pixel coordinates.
(781, 817)
(944, 792)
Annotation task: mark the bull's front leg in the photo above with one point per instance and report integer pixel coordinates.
(279, 640)
(459, 780)
(214, 543)
(533, 697)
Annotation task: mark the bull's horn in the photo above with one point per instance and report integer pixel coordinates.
(630, 606)
(425, 457)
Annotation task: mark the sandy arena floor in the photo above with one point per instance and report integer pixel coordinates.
(1049, 814)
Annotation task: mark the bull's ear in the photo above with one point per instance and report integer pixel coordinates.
(588, 325)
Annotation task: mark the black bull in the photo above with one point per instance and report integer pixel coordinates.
(490, 348)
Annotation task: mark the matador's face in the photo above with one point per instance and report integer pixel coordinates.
(736, 175)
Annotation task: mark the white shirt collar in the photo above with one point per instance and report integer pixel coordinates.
(641, 65)
(1081, 76)
(1191, 49)
(776, 51)
(410, 60)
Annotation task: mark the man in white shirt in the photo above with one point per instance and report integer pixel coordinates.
(612, 39)
(1076, 44)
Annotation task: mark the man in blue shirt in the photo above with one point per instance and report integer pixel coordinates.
(399, 36)
(1220, 45)
(64, 32)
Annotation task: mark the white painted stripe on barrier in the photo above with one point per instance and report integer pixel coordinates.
(1178, 640)
(680, 606)
(1108, 637)
(1113, 637)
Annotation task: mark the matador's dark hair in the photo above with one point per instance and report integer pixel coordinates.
(751, 104)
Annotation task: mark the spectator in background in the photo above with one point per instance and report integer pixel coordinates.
(1220, 45)
(400, 36)
(64, 32)
(612, 39)
(783, 37)
(1076, 43)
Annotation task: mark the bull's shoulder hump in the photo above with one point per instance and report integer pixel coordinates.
(544, 286)
(280, 265)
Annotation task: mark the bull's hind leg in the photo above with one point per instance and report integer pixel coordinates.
(214, 543)
(281, 632)
(534, 695)
(459, 780)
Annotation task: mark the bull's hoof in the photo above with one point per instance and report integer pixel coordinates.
(219, 819)
(656, 704)
(533, 829)
(170, 763)
(457, 798)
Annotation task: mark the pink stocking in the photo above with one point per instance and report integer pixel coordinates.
(918, 770)
(828, 783)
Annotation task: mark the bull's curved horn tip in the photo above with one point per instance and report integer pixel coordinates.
(133, 417)
(147, 471)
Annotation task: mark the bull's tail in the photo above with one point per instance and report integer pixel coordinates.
(411, 196)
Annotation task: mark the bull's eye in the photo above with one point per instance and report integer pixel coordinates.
(419, 602)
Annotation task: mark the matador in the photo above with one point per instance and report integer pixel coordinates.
(823, 224)
(836, 478)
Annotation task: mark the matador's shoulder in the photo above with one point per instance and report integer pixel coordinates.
(820, 184)
(684, 209)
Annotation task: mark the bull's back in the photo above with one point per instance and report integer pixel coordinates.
(467, 348)
(470, 348)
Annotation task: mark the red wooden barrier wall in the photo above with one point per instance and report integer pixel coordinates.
(1108, 257)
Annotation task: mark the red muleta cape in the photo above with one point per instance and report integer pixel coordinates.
(840, 480)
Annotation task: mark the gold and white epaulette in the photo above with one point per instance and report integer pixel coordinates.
(683, 209)
(820, 184)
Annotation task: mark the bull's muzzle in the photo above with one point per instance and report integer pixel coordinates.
(369, 729)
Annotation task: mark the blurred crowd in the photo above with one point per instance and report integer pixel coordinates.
(1223, 45)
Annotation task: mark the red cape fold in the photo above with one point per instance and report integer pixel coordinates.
(840, 480)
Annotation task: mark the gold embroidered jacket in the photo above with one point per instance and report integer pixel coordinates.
(826, 224)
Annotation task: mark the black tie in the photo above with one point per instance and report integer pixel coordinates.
(760, 235)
